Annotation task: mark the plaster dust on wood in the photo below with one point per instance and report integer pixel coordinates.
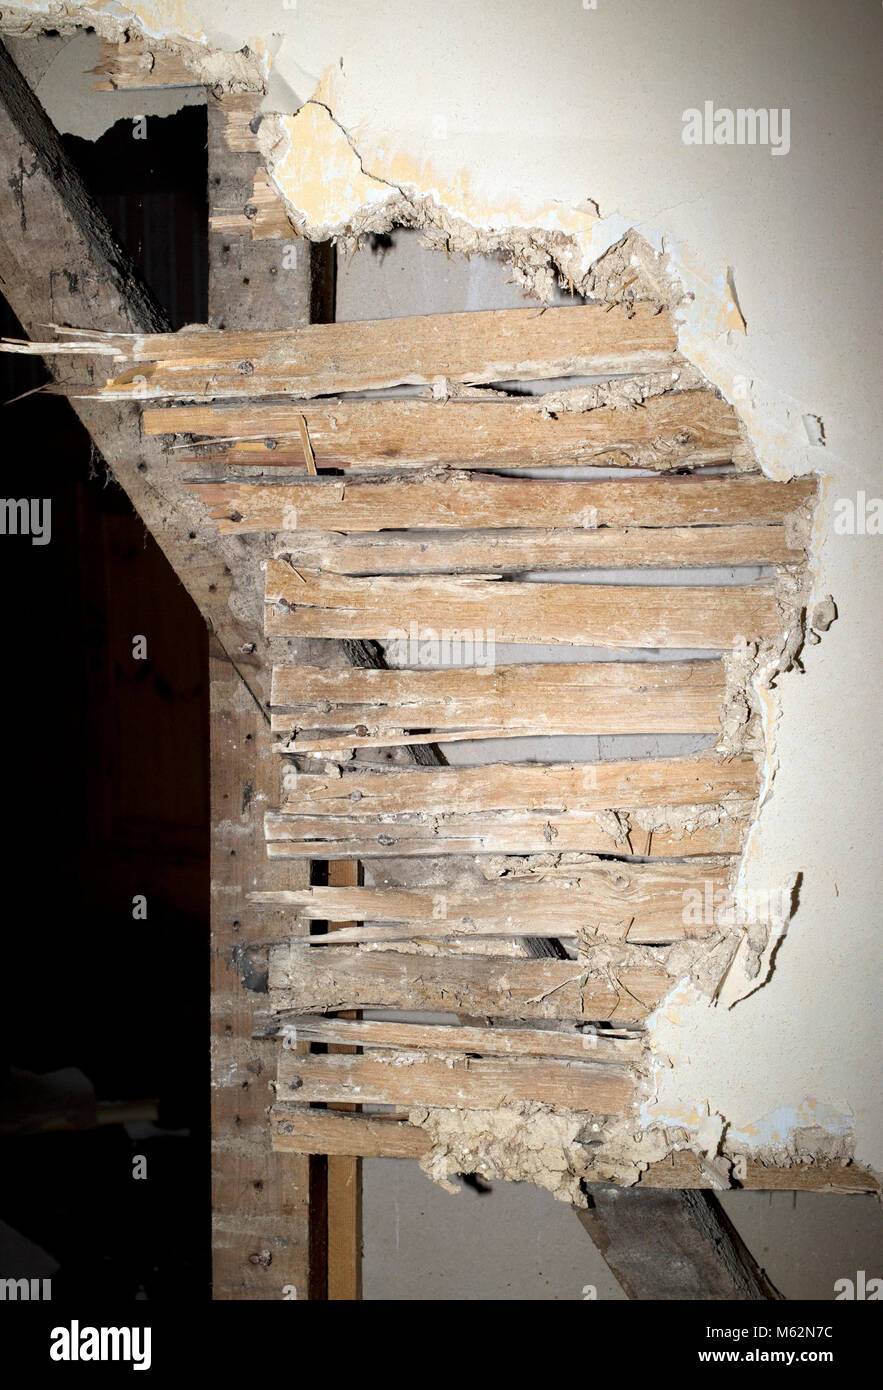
(637, 296)
(454, 499)
(637, 902)
(323, 359)
(558, 1150)
(651, 421)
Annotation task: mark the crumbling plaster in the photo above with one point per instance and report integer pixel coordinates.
(550, 133)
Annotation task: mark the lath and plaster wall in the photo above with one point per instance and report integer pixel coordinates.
(484, 121)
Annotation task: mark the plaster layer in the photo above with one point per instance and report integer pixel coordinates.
(520, 147)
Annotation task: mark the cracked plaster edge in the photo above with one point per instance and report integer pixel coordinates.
(801, 1132)
(711, 335)
(164, 24)
(711, 332)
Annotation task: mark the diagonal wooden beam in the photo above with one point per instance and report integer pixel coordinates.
(673, 1245)
(60, 262)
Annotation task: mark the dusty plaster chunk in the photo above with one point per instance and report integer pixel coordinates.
(519, 1143)
(824, 614)
(616, 825)
(684, 820)
(621, 393)
(741, 729)
(563, 866)
(556, 1150)
(631, 270)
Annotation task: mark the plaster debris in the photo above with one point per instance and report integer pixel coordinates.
(824, 614)
(242, 71)
(622, 393)
(564, 867)
(754, 962)
(615, 824)
(684, 820)
(557, 1150)
(631, 270)
(802, 1145)
(320, 173)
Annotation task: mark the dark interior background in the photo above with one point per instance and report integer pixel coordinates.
(106, 797)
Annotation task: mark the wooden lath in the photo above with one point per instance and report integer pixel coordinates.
(634, 903)
(705, 780)
(520, 551)
(327, 359)
(306, 603)
(675, 429)
(507, 832)
(459, 500)
(519, 808)
(483, 986)
(602, 1047)
(603, 697)
(302, 1130)
(466, 1083)
(137, 64)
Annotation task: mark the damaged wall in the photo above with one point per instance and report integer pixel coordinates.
(550, 152)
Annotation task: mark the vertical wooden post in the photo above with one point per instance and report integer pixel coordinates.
(260, 1207)
(261, 1239)
(344, 1173)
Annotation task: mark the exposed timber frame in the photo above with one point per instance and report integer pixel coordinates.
(262, 1178)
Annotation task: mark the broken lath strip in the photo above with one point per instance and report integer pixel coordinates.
(663, 828)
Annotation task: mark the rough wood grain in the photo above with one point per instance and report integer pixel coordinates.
(344, 1173)
(307, 603)
(139, 64)
(261, 214)
(260, 1199)
(326, 359)
(685, 1170)
(672, 1245)
(521, 551)
(675, 430)
(298, 1130)
(506, 832)
(640, 903)
(588, 1046)
(260, 1204)
(401, 791)
(482, 986)
(441, 499)
(585, 698)
(457, 1082)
